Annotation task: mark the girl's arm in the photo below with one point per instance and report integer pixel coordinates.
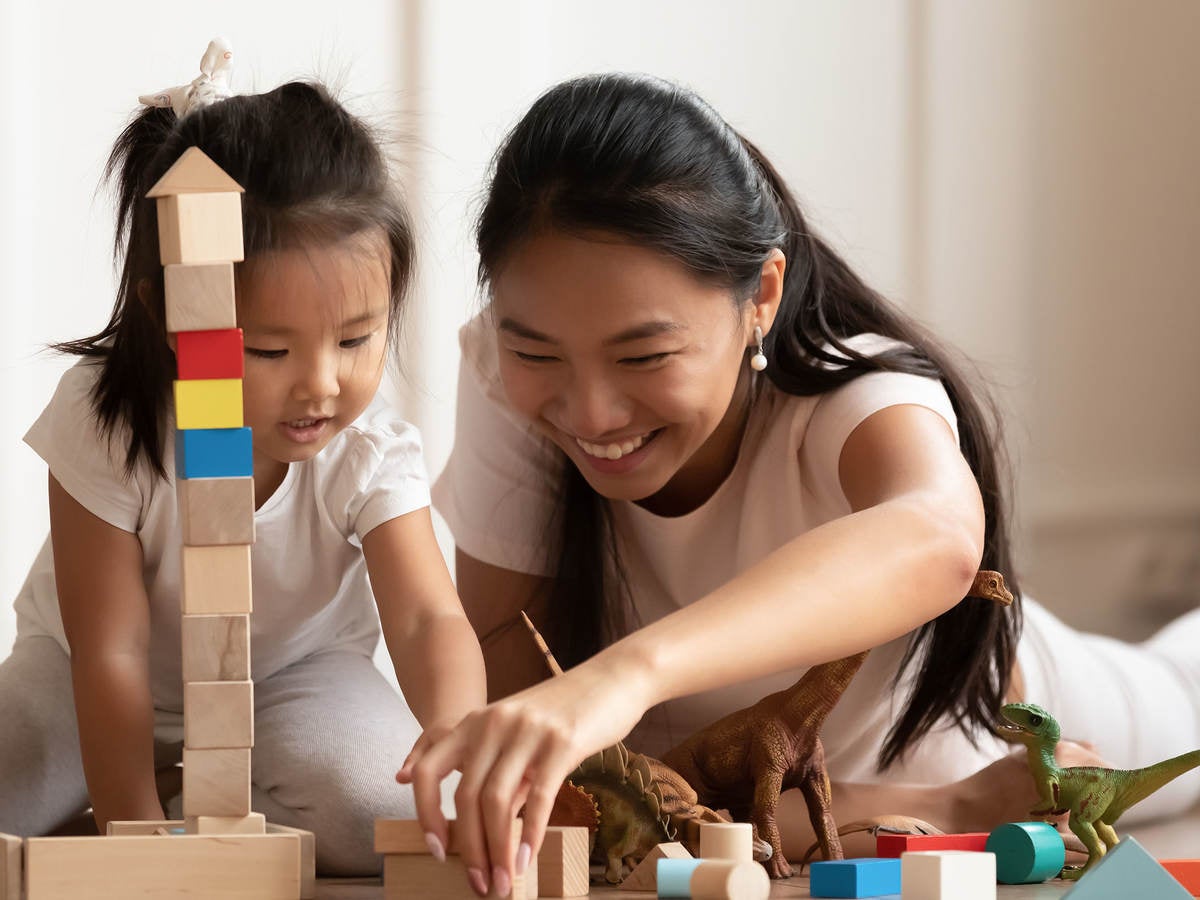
(432, 645)
(907, 552)
(106, 616)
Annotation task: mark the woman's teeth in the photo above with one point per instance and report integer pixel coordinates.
(613, 451)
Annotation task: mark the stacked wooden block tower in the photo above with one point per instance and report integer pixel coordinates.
(221, 849)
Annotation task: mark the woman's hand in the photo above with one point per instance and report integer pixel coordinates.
(517, 752)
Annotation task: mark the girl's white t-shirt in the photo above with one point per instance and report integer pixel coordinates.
(310, 587)
(497, 492)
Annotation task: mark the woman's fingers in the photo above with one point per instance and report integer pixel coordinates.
(488, 737)
(425, 769)
(540, 796)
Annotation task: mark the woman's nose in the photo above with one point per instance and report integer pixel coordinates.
(595, 409)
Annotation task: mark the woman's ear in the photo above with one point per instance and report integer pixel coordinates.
(145, 295)
(770, 291)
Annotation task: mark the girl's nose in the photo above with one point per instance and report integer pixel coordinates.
(319, 378)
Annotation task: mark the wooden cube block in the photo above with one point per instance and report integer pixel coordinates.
(216, 353)
(645, 876)
(208, 403)
(727, 840)
(255, 823)
(895, 844)
(308, 857)
(214, 453)
(200, 228)
(562, 863)
(216, 648)
(948, 875)
(12, 858)
(216, 511)
(199, 297)
(854, 877)
(218, 714)
(216, 782)
(216, 580)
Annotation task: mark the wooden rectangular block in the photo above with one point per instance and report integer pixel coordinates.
(216, 353)
(216, 580)
(218, 714)
(200, 228)
(12, 859)
(644, 877)
(214, 453)
(216, 782)
(562, 863)
(308, 857)
(1186, 872)
(216, 648)
(948, 875)
(242, 866)
(199, 297)
(414, 877)
(144, 827)
(894, 844)
(255, 823)
(208, 403)
(214, 511)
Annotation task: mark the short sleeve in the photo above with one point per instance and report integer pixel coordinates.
(498, 490)
(89, 464)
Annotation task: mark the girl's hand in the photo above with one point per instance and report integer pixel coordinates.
(516, 752)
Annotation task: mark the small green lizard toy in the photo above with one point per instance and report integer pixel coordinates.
(1094, 796)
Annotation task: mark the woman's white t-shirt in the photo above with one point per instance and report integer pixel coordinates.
(498, 488)
(310, 587)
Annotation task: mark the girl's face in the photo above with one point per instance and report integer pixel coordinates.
(627, 362)
(315, 324)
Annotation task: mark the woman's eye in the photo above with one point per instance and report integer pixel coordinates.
(265, 354)
(533, 357)
(350, 343)
(645, 360)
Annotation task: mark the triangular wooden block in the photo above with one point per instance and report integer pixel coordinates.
(645, 876)
(194, 173)
(1126, 871)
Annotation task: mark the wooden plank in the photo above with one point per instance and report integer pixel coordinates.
(208, 403)
(414, 877)
(200, 228)
(308, 857)
(199, 297)
(12, 858)
(244, 866)
(214, 453)
(143, 827)
(216, 581)
(216, 511)
(216, 782)
(213, 353)
(216, 648)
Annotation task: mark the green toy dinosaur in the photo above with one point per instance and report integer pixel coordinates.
(1094, 796)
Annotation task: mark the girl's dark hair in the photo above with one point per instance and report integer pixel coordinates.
(652, 163)
(312, 173)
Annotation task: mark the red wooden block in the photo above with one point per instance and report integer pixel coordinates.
(893, 845)
(209, 354)
(1186, 872)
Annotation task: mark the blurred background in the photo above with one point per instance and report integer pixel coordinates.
(1019, 175)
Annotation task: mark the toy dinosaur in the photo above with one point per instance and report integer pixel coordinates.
(744, 761)
(876, 825)
(1094, 796)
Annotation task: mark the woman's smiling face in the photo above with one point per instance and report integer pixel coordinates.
(625, 360)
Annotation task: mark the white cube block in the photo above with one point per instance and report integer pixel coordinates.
(948, 875)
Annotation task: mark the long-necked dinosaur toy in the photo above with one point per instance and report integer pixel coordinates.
(1094, 796)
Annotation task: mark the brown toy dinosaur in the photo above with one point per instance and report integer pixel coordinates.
(744, 761)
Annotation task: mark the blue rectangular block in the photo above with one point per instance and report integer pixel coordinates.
(213, 453)
(854, 878)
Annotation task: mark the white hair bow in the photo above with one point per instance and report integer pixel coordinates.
(212, 84)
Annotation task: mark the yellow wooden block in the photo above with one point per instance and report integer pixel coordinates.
(255, 823)
(216, 580)
(218, 715)
(200, 228)
(199, 297)
(562, 862)
(216, 648)
(12, 858)
(216, 782)
(208, 403)
(238, 866)
(216, 510)
(308, 857)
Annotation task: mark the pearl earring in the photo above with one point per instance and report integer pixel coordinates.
(758, 361)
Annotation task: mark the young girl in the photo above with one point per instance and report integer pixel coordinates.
(681, 410)
(91, 697)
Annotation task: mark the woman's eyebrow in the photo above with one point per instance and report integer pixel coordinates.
(636, 333)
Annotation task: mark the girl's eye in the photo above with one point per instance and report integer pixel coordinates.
(354, 342)
(265, 354)
(533, 357)
(646, 360)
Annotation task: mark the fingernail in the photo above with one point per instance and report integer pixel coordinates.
(502, 882)
(524, 852)
(435, 846)
(478, 882)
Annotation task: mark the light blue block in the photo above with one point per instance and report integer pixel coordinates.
(675, 877)
(1128, 872)
(214, 453)
(854, 877)
(1027, 852)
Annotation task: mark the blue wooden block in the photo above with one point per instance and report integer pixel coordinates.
(1027, 852)
(213, 453)
(1128, 871)
(674, 877)
(854, 877)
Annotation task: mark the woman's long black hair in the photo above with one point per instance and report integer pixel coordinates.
(652, 163)
(312, 174)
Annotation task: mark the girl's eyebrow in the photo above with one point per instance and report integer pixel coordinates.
(636, 333)
(368, 316)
